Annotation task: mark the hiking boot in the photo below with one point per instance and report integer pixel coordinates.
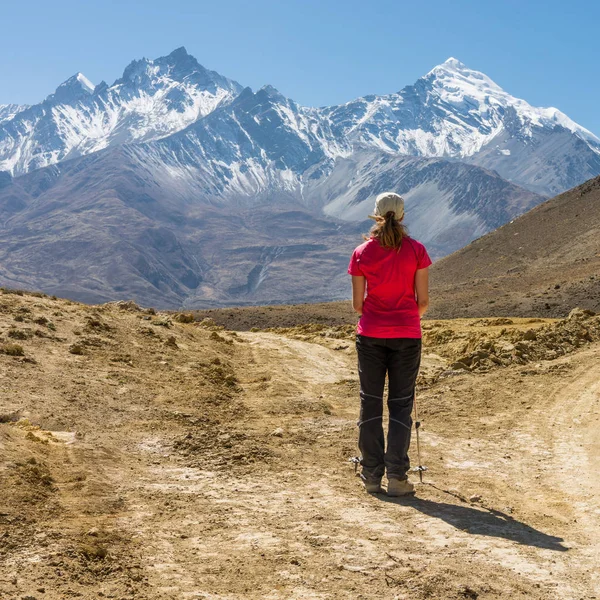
(400, 487)
(373, 487)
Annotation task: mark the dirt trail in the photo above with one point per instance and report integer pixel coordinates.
(303, 528)
(575, 467)
(215, 465)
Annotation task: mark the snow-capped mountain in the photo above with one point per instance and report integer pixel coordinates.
(76, 88)
(264, 148)
(457, 112)
(8, 111)
(176, 186)
(451, 112)
(260, 144)
(153, 99)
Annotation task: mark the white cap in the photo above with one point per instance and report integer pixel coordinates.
(389, 201)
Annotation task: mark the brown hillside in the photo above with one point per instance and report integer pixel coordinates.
(541, 264)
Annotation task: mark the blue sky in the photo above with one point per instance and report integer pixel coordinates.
(316, 52)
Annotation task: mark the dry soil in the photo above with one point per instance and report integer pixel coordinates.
(142, 457)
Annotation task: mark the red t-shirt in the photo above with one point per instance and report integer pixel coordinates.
(390, 309)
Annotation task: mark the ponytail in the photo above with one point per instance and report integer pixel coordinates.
(388, 230)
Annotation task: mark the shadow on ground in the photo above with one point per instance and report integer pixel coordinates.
(482, 521)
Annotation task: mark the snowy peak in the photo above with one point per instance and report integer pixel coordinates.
(180, 54)
(273, 94)
(76, 87)
(458, 85)
(181, 60)
(266, 100)
(178, 66)
(8, 111)
(85, 83)
(457, 112)
(455, 77)
(453, 63)
(137, 72)
(153, 99)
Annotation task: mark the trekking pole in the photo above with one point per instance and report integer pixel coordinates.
(420, 468)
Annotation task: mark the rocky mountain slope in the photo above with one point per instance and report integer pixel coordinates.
(543, 263)
(448, 203)
(123, 223)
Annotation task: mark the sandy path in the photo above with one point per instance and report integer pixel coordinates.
(301, 527)
(575, 464)
(216, 466)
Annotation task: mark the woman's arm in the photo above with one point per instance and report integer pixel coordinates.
(359, 286)
(422, 290)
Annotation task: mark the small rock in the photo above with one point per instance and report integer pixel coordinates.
(185, 318)
(171, 342)
(278, 432)
(578, 313)
(475, 498)
(164, 322)
(459, 365)
(94, 531)
(126, 305)
(76, 349)
(467, 592)
(93, 551)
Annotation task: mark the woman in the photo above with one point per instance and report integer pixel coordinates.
(392, 269)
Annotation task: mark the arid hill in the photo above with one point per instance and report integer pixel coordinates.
(541, 264)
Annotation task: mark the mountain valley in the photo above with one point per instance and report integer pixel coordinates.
(175, 186)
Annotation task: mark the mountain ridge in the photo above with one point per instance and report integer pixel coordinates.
(451, 112)
(118, 224)
(179, 217)
(153, 98)
(544, 263)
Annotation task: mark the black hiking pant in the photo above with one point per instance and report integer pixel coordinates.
(400, 359)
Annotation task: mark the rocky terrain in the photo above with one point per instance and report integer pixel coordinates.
(150, 455)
